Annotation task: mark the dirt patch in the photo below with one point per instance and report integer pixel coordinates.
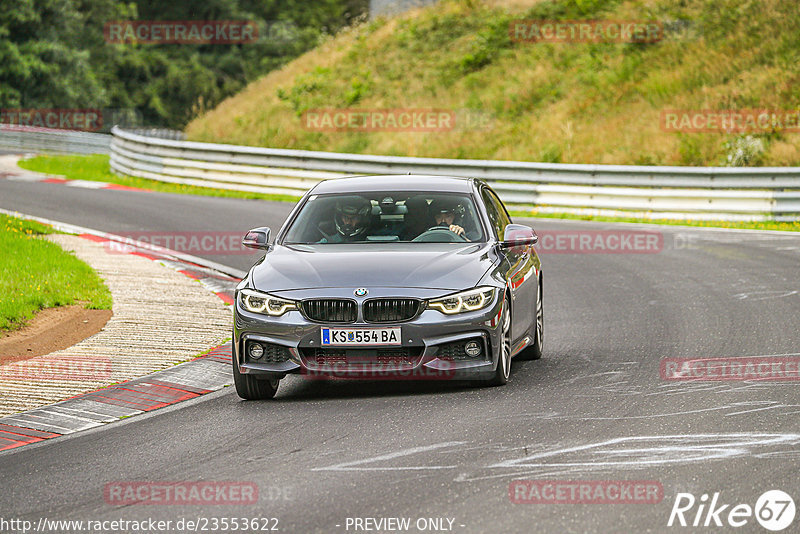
(50, 330)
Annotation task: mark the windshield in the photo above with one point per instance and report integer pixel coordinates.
(387, 217)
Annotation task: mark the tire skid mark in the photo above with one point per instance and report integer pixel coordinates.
(610, 455)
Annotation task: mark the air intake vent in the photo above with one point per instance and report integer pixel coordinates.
(272, 353)
(375, 358)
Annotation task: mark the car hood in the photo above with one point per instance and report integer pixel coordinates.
(422, 265)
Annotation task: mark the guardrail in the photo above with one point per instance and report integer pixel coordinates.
(30, 139)
(653, 192)
(161, 133)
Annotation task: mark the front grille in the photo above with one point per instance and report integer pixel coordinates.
(272, 353)
(390, 310)
(455, 351)
(330, 310)
(395, 356)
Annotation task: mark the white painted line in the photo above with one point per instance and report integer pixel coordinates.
(73, 229)
(673, 227)
(86, 184)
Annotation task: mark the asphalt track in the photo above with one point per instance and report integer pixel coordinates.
(594, 408)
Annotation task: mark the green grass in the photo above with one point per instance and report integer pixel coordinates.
(95, 168)
(793, 226)
(37, 274)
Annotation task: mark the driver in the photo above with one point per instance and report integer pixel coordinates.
(447, 213)
(351, 218)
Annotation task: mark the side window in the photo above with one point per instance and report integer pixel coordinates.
(497, 213)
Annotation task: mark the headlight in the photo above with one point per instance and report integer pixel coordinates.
(257, 302)
(466, 301)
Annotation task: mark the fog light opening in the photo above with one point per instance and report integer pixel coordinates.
(472, 348)
(255, 350)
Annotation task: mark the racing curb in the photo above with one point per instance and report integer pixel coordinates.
(204, 374)
(161, 252)
(18, 174)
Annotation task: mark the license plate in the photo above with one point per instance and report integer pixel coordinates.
(361, 336)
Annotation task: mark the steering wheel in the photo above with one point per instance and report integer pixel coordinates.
(439, 234)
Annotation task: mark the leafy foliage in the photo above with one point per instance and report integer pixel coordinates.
(53, 53)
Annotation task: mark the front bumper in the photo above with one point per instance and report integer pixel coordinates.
(426, 346)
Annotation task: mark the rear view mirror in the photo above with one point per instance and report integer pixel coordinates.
(517, 235)
(257, 238)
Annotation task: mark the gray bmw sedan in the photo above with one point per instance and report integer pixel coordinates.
(389, 277)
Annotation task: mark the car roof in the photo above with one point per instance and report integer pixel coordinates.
(395, 182)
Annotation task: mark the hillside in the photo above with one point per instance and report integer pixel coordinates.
(565, 102)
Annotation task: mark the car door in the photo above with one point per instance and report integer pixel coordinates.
(521, 269)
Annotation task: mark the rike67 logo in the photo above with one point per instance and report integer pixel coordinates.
(774, 510)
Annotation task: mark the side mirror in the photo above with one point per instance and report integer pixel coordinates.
(518, 235)
(257, 238)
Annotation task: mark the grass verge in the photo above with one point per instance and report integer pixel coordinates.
(37, 274)
(793, 226)
(95, 168)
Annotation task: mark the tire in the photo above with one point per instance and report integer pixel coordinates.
(534, 351)
(252, 388)
(503, 368)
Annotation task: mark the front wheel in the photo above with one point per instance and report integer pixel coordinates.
(534, 351)
(251, 388)
(503, 369)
